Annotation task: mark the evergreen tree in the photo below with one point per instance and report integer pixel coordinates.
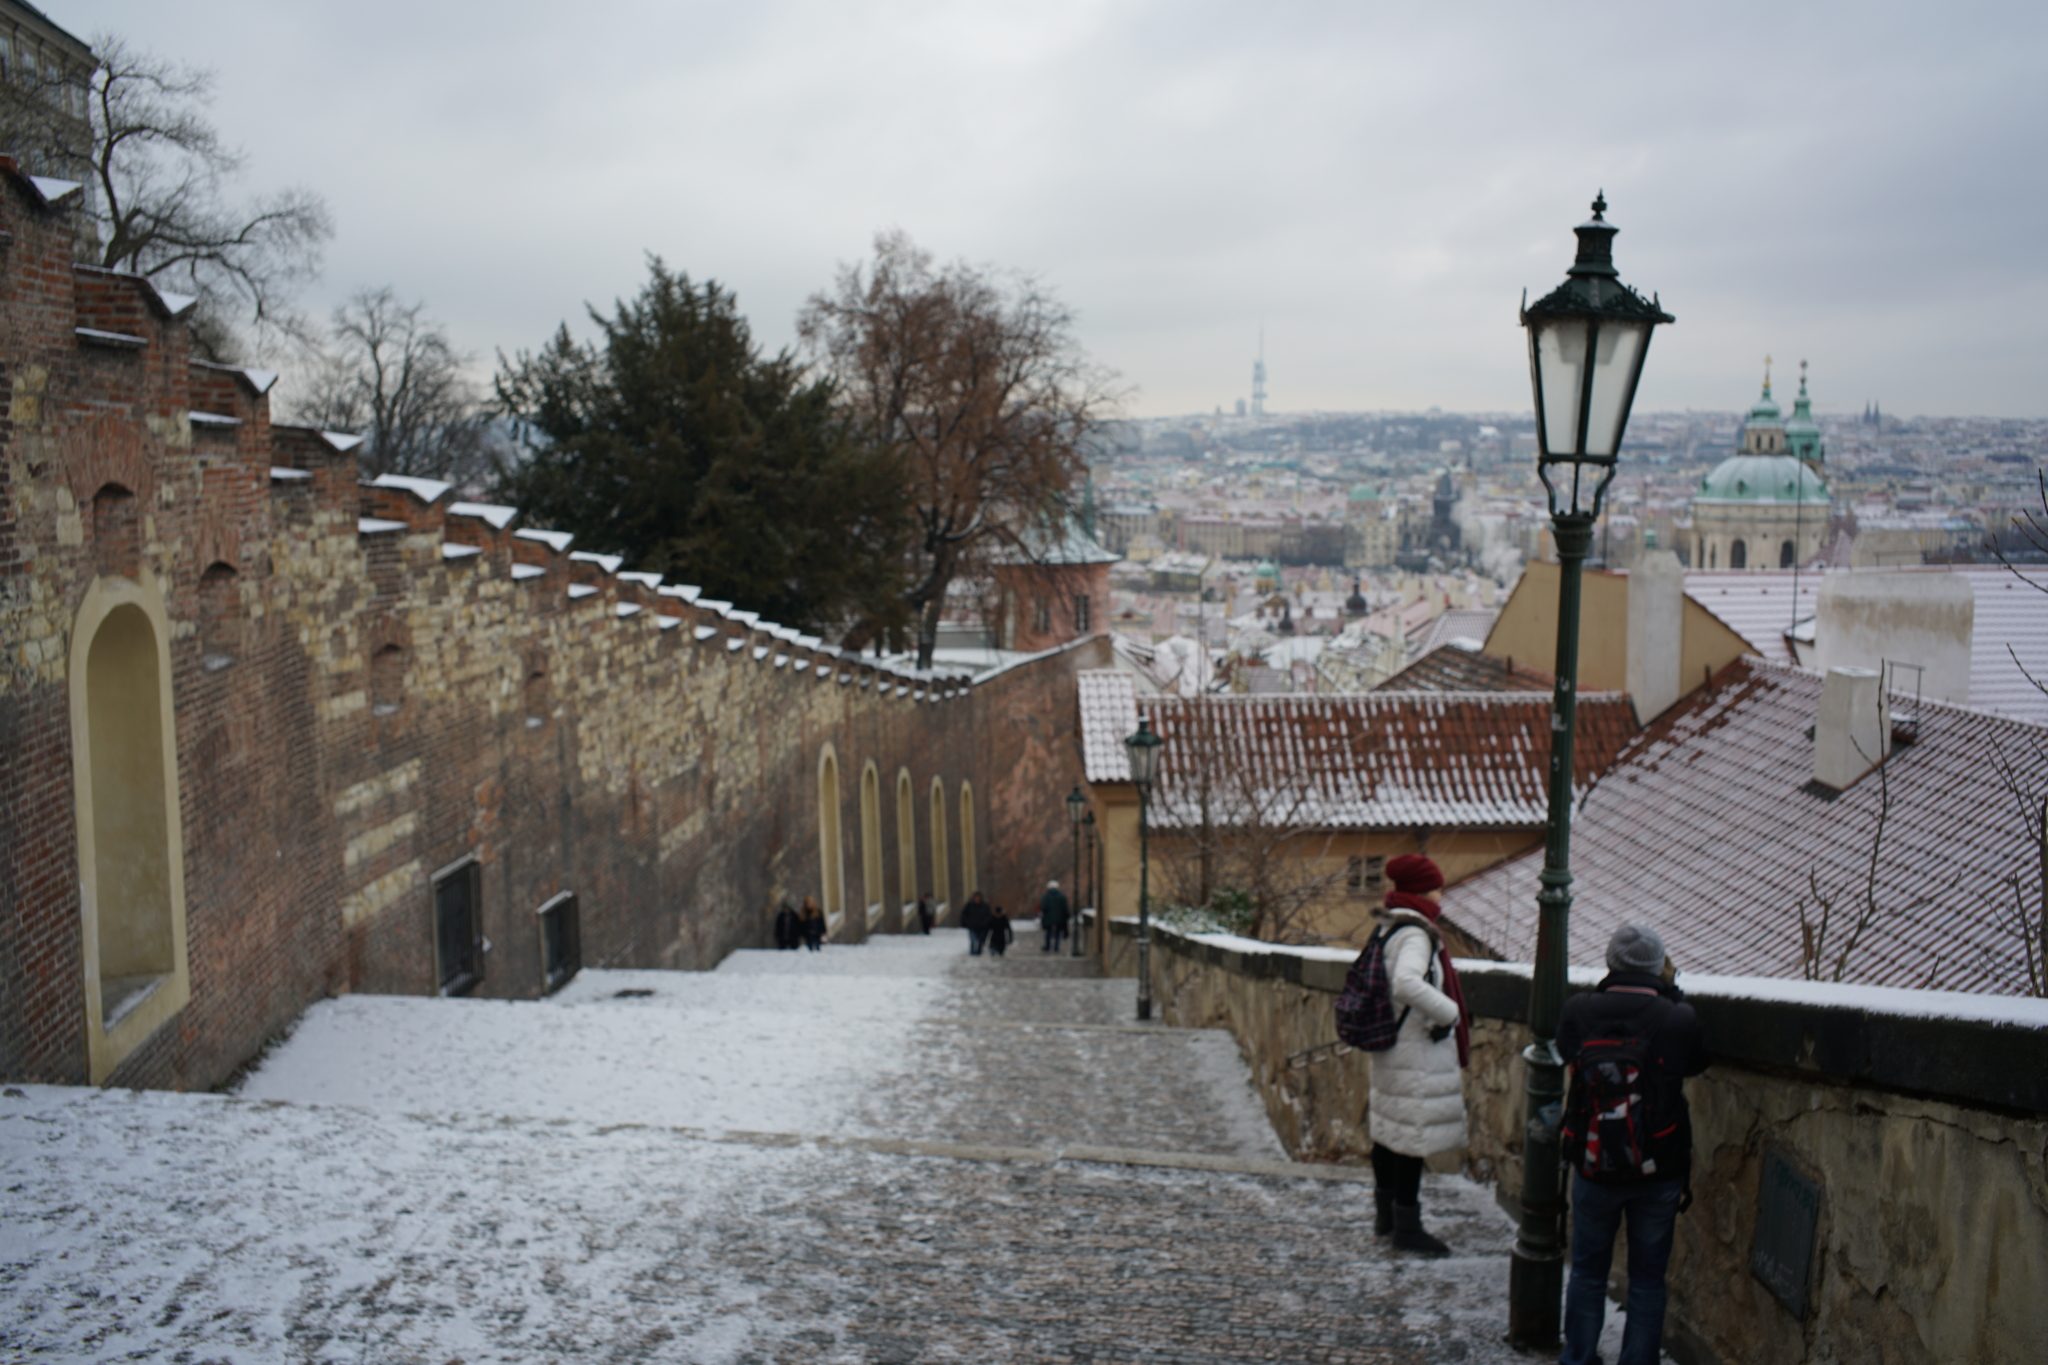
(674, 441)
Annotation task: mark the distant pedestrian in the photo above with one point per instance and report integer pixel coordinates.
(1000, 934)
(925, 917)
(789, 930)
(974, 918)
(1053, 914)
(1635, 1027)
(814, 925)
(1418, 1098)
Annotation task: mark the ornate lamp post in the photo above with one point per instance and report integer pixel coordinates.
(1094, 876)
(1143, 748)
(1076, 804)
(1587, 339)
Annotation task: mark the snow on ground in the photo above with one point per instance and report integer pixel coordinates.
(600, 1176)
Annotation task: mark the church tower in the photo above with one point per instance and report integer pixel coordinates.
(1802, 433)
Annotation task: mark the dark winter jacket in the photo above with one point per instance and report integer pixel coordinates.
(814, 928)
(1053, 910)
(1000, 935)
(975, 914)
(788, 928)
(1678, 1049)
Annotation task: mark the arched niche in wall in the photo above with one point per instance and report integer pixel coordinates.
(970, 865)
(1788, 555)
(942, 880)
(116, 532)
(872, 895)
(906, 838)
(220, 617)
(831, 863)
(131, 865)
(1738, 555)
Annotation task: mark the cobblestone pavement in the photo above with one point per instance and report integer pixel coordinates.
(209, 1228)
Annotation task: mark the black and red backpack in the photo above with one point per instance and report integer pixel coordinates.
(1619, 1116)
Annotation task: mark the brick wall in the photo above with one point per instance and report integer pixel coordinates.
(364, 691)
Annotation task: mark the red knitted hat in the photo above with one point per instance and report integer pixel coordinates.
(1412, 872)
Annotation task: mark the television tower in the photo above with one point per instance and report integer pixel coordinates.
(1259, 379)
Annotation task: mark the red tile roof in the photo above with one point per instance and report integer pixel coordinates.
(1451, 668)
(1379, 760)
(1706, 828)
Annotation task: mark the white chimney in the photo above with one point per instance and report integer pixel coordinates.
(1656, 632)
(1853, 731)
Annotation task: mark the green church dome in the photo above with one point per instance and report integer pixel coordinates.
(1364, 492)
(1762, 478)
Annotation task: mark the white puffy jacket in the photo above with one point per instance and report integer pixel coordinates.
(1418, 1093)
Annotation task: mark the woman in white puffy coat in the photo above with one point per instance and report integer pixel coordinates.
(1418, 1094)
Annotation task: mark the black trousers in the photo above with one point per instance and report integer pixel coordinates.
(1398, 1173)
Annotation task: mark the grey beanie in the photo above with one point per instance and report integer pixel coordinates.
(1635, 948)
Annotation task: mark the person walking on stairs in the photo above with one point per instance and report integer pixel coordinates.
(1418, 1097)
(1053, 913)
(974, 918)
(1000, 934)
(814, 924)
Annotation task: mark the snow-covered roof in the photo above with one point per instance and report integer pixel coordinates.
(453, 551)
(427, 491)
(557, 541)
(498, 516)
(1757, 604)
(608, 563)
(340, 442)
(1453, 667)
(521, 571)
(370, 526)
(1378, 760)
(580, 590)
(642, 577)
(280, 474)
(1706, 827)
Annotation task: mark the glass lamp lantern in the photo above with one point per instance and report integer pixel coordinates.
(1587, 340)
(1076, 803)
(1143, 748)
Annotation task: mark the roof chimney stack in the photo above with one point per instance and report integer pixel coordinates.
(1853, 732)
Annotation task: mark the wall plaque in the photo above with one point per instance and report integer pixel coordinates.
(1787, 1213)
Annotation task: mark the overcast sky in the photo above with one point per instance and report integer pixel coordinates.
(1863, 185)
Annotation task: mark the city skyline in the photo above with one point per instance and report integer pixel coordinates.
(1376, 188)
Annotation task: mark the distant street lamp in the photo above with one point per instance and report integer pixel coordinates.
(1076, 805)
(1587, 340)
(1143, 748)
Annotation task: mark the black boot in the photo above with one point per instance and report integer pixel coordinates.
(1383, 1212)
(1408, 1233)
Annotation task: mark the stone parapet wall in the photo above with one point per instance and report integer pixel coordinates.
(1926, 1136)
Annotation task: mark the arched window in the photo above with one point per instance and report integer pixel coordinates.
(970, 871)
(1738, 555)
(130, 845)
(831, 866)
(536, 697)
(1788, 554)
(942, 880)
(871, 841)
(906, 839)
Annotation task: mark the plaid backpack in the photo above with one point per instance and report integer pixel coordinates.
(1617, 1110)
(1365, 1007)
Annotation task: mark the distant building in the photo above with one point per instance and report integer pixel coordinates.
(1766, 506)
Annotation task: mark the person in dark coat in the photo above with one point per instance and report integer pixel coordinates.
(974, 918)
(814, 924)
(1053, 914)
(1000, 934)
(925, 917)
(788, 928)
(1639, 990)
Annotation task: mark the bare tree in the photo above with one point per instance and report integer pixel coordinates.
(390, 373)
(2028, 916)
(978, 382)
(1240, 836)
(159, 173)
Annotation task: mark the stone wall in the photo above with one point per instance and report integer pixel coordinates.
(370, 682)
(1926, 1136)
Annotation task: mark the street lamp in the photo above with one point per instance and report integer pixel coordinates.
(1076, 804)
(1587, 340)
(1143, 748)
(1094, 877)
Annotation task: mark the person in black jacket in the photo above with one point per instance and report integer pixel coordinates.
(1053, 913)
(1000, 934)
(974, 918)
(789, 931)
(1651, 1186)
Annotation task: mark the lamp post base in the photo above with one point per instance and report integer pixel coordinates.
(1535, 1300)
